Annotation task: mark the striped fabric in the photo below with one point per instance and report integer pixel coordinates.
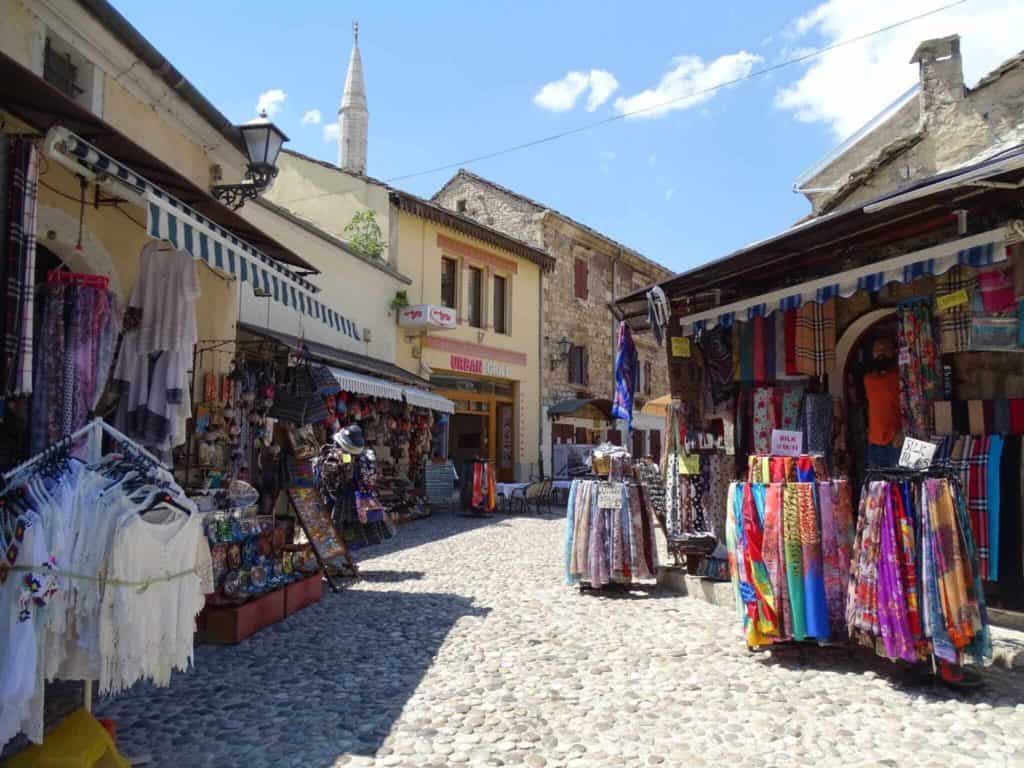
(189, 230)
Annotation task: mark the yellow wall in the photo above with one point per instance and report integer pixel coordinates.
(328, 196)
(419, 257)
(362, 291)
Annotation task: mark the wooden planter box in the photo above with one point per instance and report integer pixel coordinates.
(230, 624)
(299, 594)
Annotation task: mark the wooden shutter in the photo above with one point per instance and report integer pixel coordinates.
(573, 365)
(581, 436)
(614, 437)
(562, 433)
(584, 367)
(580, 279)
(647, 377)
(655, 445)
(638, 443)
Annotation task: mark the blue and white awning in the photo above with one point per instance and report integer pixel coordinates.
(977, 251)
(168, 218)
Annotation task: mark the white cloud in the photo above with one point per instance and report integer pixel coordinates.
(686, 84)
(602, 86)
(846, 87)
(562, 95)
(331, 132)
(311, 117)
(271, 101)
(669, 192)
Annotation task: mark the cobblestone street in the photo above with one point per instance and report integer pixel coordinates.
(462, 646)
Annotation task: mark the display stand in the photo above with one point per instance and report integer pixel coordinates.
(93, 433)
(482, 496)
(328, 546)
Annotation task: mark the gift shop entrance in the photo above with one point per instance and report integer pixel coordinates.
(483, 425)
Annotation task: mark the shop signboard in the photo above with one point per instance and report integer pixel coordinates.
(505, 413)
(330, 549)
(427, 316)
(786, 442)
(479, 367)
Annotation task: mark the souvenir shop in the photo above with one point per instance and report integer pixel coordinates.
(787, 455)
(124, 429)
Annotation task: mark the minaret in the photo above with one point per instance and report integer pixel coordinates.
(353, 117)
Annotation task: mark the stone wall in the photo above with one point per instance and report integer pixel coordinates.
(586, 322)
(953, 124)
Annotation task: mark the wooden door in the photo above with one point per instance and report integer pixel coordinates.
(504, 451)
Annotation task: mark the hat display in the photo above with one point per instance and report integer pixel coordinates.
(350, 439)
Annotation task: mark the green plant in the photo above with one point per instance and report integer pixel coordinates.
(400, 301)
(365, 235)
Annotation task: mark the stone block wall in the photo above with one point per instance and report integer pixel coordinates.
(586, 322)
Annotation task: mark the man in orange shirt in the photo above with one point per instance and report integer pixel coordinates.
(882, 387)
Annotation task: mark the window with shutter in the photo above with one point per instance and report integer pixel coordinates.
(580, 279)
(578, 365)
(585, 366)
(648, 369)
(639, 449)
(581, 436)
(655, 445)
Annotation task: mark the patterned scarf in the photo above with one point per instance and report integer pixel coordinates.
(815, 609)
(816, 338)
(625, 376)
(919, 372)
(775, 558)
(955, 323)
(793, 553)
(977, 499)
(836, 543)
(762, 623)
(19, 269)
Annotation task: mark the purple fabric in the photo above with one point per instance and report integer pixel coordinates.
(892, 616)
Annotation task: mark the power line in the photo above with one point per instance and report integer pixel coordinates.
(660, 105)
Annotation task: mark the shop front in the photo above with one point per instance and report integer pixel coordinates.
(841, 401)
(483, 425)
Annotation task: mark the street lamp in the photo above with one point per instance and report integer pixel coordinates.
(564, 347)
(263, 142)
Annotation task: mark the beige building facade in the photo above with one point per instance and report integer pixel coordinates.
(590, 272)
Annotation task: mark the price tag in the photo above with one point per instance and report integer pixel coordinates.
(786, 442)
(609, 496)
(917, 454)
(680, 346)
(346, 458)
(689, 463)
(951, 300)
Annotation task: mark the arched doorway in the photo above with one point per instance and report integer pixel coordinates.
(853, 353)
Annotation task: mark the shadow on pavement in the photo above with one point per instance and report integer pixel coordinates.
(326, 682)
(999, 687)
(390, 577)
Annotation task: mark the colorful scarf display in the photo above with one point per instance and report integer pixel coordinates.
(789, 552)
(607, 545)
(915, 587)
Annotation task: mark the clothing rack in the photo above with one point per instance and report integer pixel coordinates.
(93, 432)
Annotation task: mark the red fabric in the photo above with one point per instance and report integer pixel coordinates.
(790, 324)
(777, 468)
(1017, 415)
(760, 369)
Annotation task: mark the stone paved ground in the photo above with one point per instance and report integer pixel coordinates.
(463, 647)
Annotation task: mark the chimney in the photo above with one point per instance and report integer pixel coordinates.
(941, 74)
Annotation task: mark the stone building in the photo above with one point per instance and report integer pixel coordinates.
(936, 126)
(591, 271)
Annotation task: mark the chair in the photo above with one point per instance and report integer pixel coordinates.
(535, 493)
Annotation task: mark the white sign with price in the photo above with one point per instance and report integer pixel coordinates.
(609, 496)
(787, 442)
(917, 454)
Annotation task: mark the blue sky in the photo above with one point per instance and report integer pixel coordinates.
(447, 81)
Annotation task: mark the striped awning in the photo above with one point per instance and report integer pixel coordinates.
(168, 218)
(976, 251)
(351, 381)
